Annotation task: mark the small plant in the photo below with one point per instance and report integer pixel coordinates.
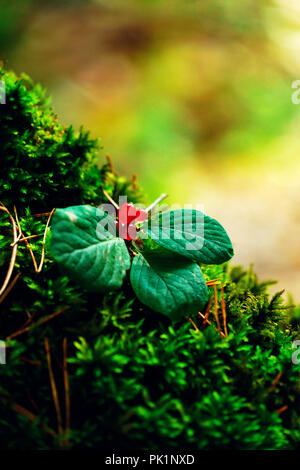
(96, 250)
(92, 371)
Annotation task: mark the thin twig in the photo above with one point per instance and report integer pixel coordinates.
(194, 324)
(216, 309)
(44, 241)
(110, 199)
(223, 307)
(17, 240)
(110, 163)
(14, 250)
(206, 315)
(134, 181)
(212, 281)
(17, 220)
(134, 253)
(28, 313)
(22, 239)
(282, 409)
(209, 323)
(37, 268)
(213, 284)
(67, 386)
(275, 382)
(40, 322)
(9, 288)
(157, 201)
(203, 317)
(44, 214)
(30, 361)
(53, 387)
(29, 320)
(23, 411)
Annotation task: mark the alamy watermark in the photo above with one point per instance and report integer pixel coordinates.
(162, 223)
(2, 352)
(2, 93)
(295, 358)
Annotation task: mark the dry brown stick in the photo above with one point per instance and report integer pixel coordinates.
(9, 288)
(40, 322)
(202, 316)
(29, 320)
(27, 244)
(14, 250)
(206, 315)
(37, 268)
(212, 280)
(44, 240)
(41, 215)
(32, 255)
(110, 199)
(223, 308)
(275, 382)
(22, 239)
(110, 163)
(20, 409)
(23, 411)
(53, 387)
(16, 241)
(30, 361)
(134, 181)
(66, 386)
(17, 220)
(28, 313)
(282, 409)
(194, 324)
(157, 201)
(209, 323)
(216, 310)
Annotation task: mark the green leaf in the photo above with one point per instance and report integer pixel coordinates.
(192, 234)
(84, 244)
(174, 287)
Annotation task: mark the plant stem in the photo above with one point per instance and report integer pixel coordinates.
(53, 387)
(157, 201)
(14, 249)
(216, 310)
(66, 386)
(110, 199)
(223, 307)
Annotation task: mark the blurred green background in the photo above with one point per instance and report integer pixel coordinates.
(194, 96)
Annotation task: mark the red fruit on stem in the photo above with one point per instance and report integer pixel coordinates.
(127, 232)
(127, 214)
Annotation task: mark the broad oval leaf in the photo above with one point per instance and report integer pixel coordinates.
(192, 234)
(84, 244)
(174, 287)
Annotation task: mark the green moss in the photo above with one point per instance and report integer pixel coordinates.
(134, 379)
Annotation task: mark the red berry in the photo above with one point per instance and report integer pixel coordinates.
(141, 215)
(127, 214)
(127, 232)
